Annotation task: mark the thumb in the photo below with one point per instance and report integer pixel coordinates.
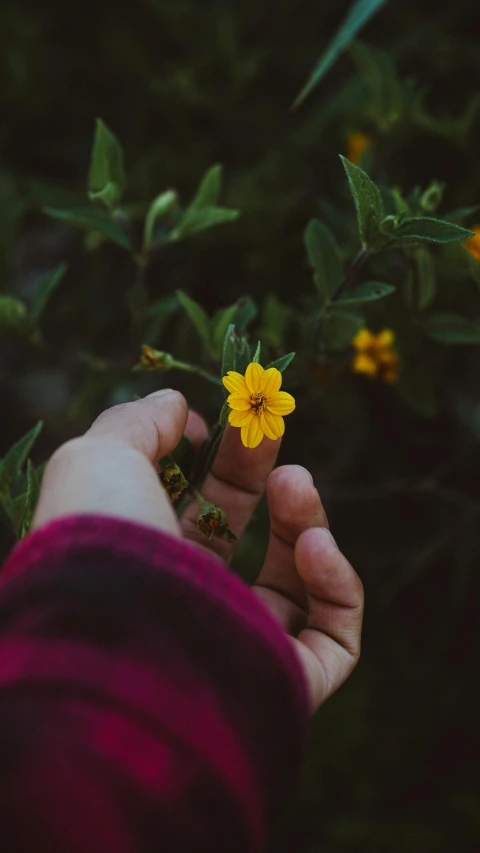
(109, 470)
(154, 425)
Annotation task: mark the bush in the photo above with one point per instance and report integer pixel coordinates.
(127, 252)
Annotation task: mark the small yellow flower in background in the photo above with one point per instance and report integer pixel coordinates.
(472, 245)
(358, 142)
(375, 355)
(258, 406)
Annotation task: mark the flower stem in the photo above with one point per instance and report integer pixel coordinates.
(193, 368)
(351, 274)
(207, 457)
(349, 278)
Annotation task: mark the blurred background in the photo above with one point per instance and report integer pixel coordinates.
(393, 760)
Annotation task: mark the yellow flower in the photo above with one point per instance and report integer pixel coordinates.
(375, 355)
(472, 245)
(357, 143)
(257, 404)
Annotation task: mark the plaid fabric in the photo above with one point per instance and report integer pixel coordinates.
(148, 702)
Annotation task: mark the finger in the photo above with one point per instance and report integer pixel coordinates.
(154, 425)
(294, 505)
(109, 470)
(196, 429)
(236, 483)
(329, 646)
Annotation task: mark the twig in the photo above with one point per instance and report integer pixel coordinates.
(349, 278)
(351, 274)
(193, 368)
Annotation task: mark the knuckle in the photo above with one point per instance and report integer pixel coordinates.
(104, 416)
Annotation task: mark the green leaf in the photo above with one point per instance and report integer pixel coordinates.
(12, 463)
(160, 206)
(386, 101)
(203, 212)
(427, 281)
(106, 180)
(208, 192)
(30, 500)
(340, 328)
(425, 229)
(369, 291)
(401, 204)
(432, 197)
(461, 213)
(243, 356)
(229, 351)
(92, 219)
(45, 287)
(256, 357)
(283, 362)
(275, 319)
(219, 325)
(12, 313)
(368, 203)
(324, 257)
(240, 314)
(157, 315)
(359, 14)
(201, 219)
(198, 316)
(109, 196)
(449, 328)
(245, 313)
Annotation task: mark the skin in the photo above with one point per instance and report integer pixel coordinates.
(306, 583)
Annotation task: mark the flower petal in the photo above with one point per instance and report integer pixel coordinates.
(472, 245)
(272, 425)
(281, 403)
(235, 383)
(271, 381)
(363, 340)
(252, 433)
(253, 375)
(363, 363)
(238, 419)
(385, 338)
(239, 402)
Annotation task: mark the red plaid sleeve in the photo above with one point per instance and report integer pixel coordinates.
(148, 702)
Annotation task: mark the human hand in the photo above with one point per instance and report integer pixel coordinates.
(306, 583)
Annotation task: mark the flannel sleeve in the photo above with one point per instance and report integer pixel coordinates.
(148, 702)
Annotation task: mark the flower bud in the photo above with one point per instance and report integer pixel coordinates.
(212, 521)
(155, 359)
(173, 481)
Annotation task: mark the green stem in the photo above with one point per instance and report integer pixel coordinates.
(346, 283)
(207, 457)
(351, 274)
(193, 368)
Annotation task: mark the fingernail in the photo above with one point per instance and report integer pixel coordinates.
(306, 470)
(159, 393)
(327, 531)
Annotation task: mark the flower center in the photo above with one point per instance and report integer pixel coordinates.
(257, 402)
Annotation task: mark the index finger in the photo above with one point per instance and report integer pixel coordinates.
(329, 645)
(236, 483)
